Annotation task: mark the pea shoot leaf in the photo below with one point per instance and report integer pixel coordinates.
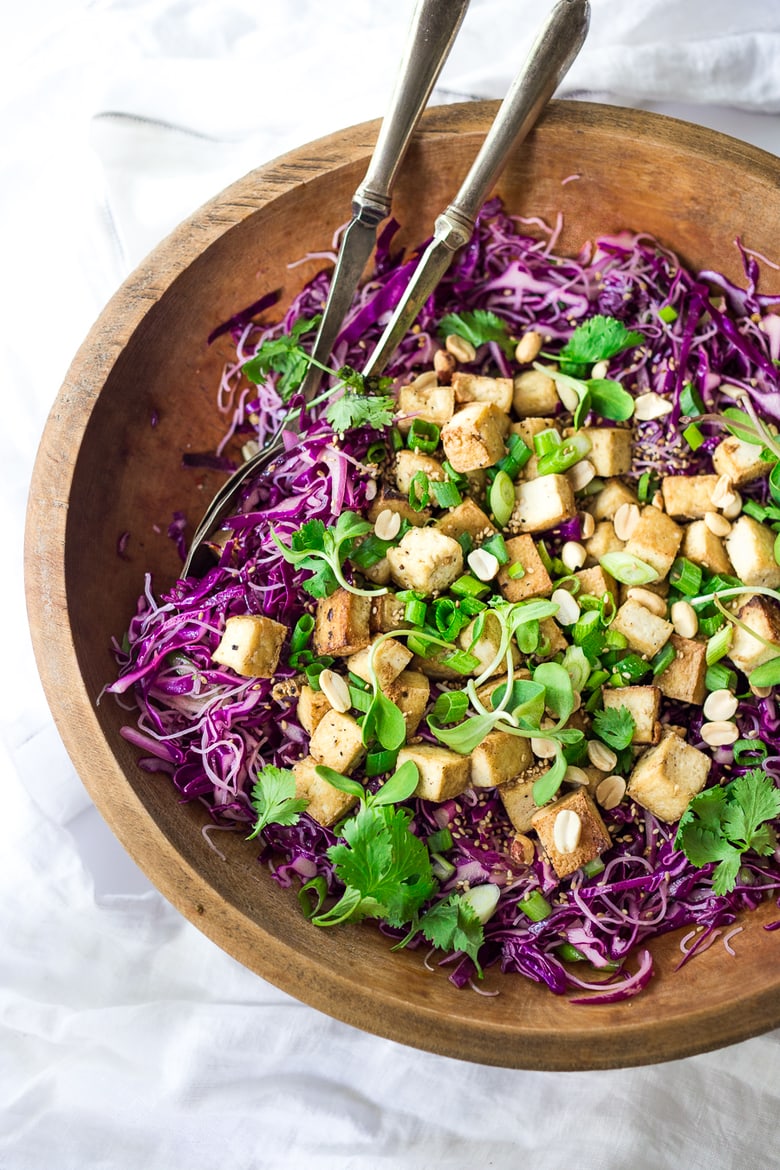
(595, 340)
(615, 725)
(478, 327)
(453, 925)
(284, 355)
(721, 824)
(274, 800)
(322, 551)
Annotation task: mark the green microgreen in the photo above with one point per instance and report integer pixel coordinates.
(322, 551)
(479, 327)
(273, 799)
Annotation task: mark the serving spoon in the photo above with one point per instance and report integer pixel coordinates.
(554, 50)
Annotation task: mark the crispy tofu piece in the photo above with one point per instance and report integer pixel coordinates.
(474, 436)
(643, 703)
(410, 692)
(436, 669)
(500, 757)
(337, 742)
(534, 393)
(750, 546)
(390, 658)
(684, 677)
(762, 616)
(551, 632)
(433, 404)
(603, 541)
(739, 460)
(705, 548)
(326, 803)
(426, 560)
(408, 463)
(387, 613)
(542, 503)
(487, 644)
(646, 633)
(526, 428)
(251, 645)
(443, 773)
(610, 449)
(379, 573)
(535, 582)
(604, 504)
(341, 624)
(478, 388)
(469, 518)
(518, 799)
(594, 835)
(655, 540)
(667, 777)
(595, 582)
(688, 497)
(312, 706)
(393, 501)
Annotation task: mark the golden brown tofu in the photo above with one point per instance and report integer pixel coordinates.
(551, 634)
(688, 497)
(610, 449)
(655, 540)
(251, 645)
(341, 625)
(426, 560)
(667, 777)
(474, 437)
(443, 773)
(410, 692)
(518, 799)
(535, 581)
(705, 548)
(684, 678)
(500, 757)
(393, 501)
(646, 632)
(337, 742)
(751, 549)
(644, 704)
(486, 646)
(387, 613)
(534, 394)
(390, 658)
(326, 803)
(595, 582)
(603, 541)
(312, 706)
(466, 518)
(761, 615)
(542, 503)
(407, 465)
(432, 404)
(604, 504)
(739, 460)
(594, 836)
(478, 388)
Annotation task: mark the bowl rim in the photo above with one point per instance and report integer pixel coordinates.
(179, 880)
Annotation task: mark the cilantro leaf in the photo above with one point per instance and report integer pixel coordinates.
(356, 410)
(478, 327)
(283, 355)
(273, 799)
(322, 551)
(595, 340)
(453, 925)
(615, 725)
(720, 824)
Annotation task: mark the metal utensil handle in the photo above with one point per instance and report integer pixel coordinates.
(549, 60)
(435, 24)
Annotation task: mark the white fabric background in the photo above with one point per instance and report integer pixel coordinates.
(126, 1038)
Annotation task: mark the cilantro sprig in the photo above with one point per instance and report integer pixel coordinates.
(274, 800)
(453, 925)
(283, 355)
(322, 551)
(722, 824)
(479, 327)
(596, 340)
(615, 726)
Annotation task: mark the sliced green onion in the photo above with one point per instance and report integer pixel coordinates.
(468, 586)
(565, 455)
(693, 436)
(711, 624)
(440, 841)
(448, 618)
(300, 659)
(502, 498)
(749, 752)
(615, 640)
(460, 480)
(597, 680)
(518, 454)
(594, 867)
(668, 314)
(466, 543)
(685, 576)
(720, 678)
(586, 624)
(441, 867)
(754, 509)
(546, 441)
(377, 763)
(376, 453)
(663, 659)
(446, 494)
(515, 571)
(315, 669)
(628, 569)
(776, 549)
(461, 661)
(302, 632)
(423, 436)
(418, 643)
(568, 953)
(497, 546)
(545, 557)
(450, 707)
(419, 491)
(647, 487)
(415, 611)
(690, 401)
(766, 675)
(396, 439)
(317, 887)
(535, 906)
(471, 606)
(632, 668)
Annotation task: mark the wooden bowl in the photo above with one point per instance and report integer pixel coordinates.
(104, 469)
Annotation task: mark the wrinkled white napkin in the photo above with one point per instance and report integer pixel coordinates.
(126, 1037)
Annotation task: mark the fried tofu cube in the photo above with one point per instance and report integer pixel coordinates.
(762, 616)
(688, 497)
(646, 632)
(534, 393)
(478, 388)
(466, 518)
(595, 582)
(410, 692)
(542, 503)
(408, 463)
(517, 797)
(644, 705)
(655, 540)
(327, 804)
(667, 777)
(751, 549)
(251, 645)
(390, 658)
(739, 460)
(312, 706)
(604, 504)
(388, 500)
(705, 548)
(337, 742)
(610, 449)
(443, 773)
(432, 404)
(603, 541)
(474, 436)
(387, 613)
(527, 428)
(594, 836)
(684, 677)
(378, 573)
(487, 644)
(500, 757)
(341, 624)
(535, 582)
(551, 634)
(426, 560)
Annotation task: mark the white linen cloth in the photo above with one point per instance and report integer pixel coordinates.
(126, 1038)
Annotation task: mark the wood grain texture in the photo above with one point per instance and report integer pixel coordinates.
(103, 469)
